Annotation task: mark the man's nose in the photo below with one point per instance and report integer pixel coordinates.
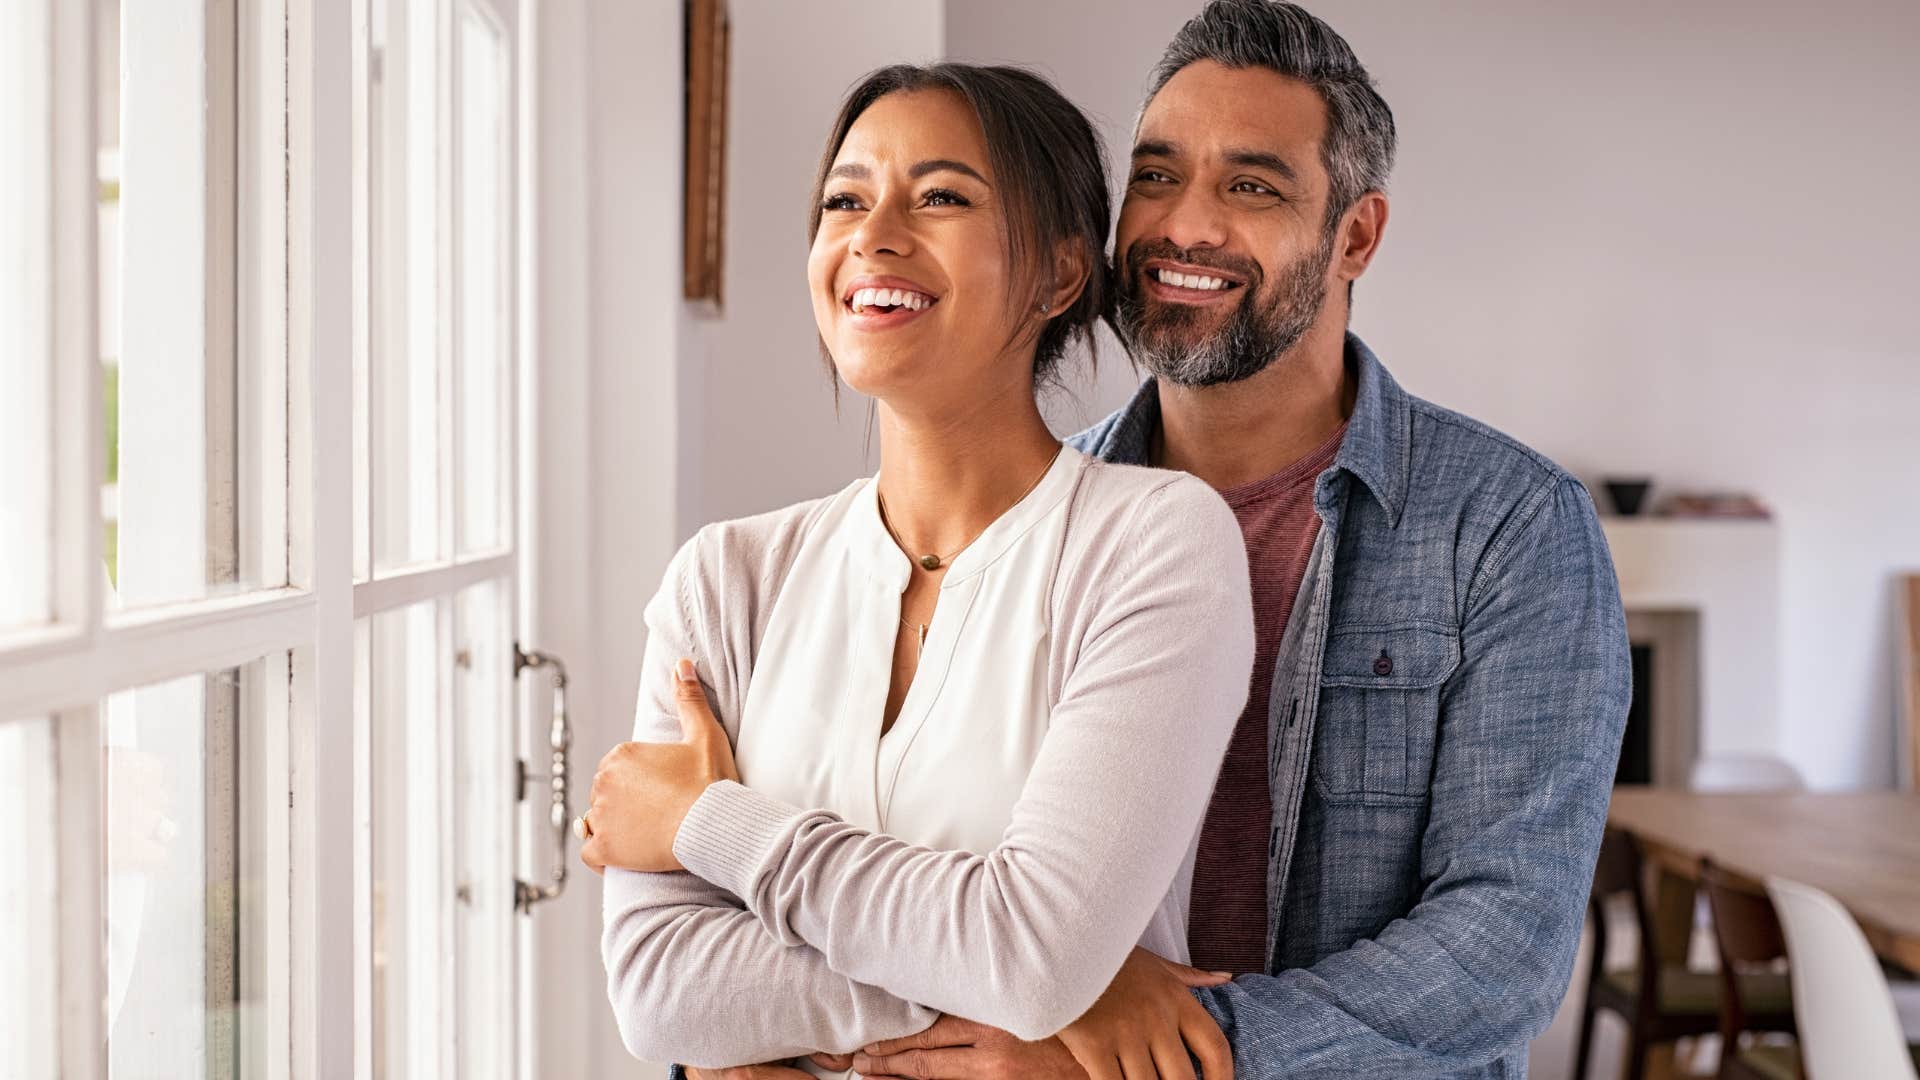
(1195, 219)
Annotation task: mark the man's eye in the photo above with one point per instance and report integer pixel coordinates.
(946, 197)
(839, 202)
(1152, 176)
(1251, 187)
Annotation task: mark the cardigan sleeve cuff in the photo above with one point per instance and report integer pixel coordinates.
(729, 835)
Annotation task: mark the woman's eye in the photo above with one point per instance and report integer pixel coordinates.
(945, 197)
(839, 202)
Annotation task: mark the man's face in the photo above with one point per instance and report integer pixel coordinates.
(1223, 250)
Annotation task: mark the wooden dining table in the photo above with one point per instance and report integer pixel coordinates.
(1863, 848)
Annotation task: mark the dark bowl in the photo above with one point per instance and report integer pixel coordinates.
(1628, 495)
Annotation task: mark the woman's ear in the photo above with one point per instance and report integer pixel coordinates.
(1070, 270)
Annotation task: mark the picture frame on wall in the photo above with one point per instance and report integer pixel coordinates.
(709, 34)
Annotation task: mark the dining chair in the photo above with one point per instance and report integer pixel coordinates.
(1660, 1002)
(1755, 998)
(1848, 1027)
(1732, 773)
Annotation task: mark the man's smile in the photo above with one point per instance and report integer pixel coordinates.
(1181, 283)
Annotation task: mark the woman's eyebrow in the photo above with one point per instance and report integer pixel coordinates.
(945, 165)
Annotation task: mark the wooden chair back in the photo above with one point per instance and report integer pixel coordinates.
(1620, 872)
(1748, 935)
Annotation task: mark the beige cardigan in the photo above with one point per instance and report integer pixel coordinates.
(793, 931)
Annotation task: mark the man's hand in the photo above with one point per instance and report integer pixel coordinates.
(956, 1049)
(769, 1071)
(1142, 1028)
(1146, 1023)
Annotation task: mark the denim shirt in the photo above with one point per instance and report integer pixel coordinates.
(1447, 712)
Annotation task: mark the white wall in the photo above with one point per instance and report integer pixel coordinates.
(1645, 238)
(607, 338)
(767, 431)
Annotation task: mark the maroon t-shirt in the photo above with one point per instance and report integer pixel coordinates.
(1227, 926)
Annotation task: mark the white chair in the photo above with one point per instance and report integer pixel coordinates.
(1848, 1027)
(1744, 772)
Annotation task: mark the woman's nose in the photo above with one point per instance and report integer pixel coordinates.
(883, 230)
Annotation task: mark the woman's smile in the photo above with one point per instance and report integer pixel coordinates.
(875, 302)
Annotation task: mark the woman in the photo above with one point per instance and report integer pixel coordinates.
(976, 703)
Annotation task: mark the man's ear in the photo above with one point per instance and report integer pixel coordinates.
(1361, 229)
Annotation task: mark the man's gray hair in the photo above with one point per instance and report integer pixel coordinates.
(1289, 39)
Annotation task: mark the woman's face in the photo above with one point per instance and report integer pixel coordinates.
(909, 267)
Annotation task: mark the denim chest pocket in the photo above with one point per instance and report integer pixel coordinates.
(1379, 711)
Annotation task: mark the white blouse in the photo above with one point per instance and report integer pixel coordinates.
(1030, 816)
(948, 772)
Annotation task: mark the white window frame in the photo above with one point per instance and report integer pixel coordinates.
(300, 246)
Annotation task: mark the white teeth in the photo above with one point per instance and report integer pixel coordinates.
(906, 298)
(1191, 281)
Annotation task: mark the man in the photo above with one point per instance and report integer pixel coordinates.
(1396, 860)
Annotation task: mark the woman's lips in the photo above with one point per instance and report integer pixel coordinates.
(883, 318)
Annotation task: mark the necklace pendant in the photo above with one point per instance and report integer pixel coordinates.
(930, 562)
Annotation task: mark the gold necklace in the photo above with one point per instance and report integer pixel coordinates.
(932, 561)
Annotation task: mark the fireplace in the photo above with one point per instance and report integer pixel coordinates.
(1703, 604)
(1663, 723)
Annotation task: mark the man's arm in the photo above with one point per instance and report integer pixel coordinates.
(1530, 734)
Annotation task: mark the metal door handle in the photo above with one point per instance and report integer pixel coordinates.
(559, 739)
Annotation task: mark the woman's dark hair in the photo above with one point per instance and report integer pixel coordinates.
(1050, 177)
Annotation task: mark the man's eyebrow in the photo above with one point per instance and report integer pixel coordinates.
(1155, 148)
(945, 165)
(1261, 159)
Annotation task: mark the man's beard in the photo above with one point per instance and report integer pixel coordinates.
(1167, 338)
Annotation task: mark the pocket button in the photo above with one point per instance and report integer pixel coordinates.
(1383, 667)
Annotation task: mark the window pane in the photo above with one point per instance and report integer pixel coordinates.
(405, 303)
(184, 763)
(26, 512)
(412, 934)
(29, 932)
(484, 754)
(180, 522)
(437, 677)
(483, 273)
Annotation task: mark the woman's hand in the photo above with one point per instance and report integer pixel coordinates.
(642, 791)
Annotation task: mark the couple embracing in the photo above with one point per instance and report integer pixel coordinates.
(1265, 729)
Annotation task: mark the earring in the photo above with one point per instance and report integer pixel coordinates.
(1045, 308)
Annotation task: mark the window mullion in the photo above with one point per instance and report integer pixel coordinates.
(78, 459)
(83, 1037)
(320, 231)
